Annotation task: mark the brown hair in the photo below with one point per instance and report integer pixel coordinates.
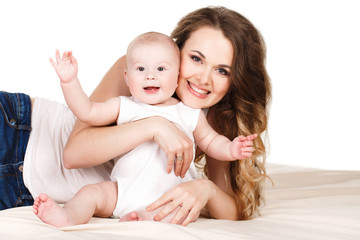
(244, 108)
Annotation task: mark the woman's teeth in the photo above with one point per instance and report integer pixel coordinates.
(198, 90)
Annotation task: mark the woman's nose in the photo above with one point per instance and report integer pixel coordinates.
(204, 77)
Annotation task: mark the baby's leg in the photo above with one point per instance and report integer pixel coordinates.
(92, 200)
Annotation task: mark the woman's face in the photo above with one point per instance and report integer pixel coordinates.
(206, 60)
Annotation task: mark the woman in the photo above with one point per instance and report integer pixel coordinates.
(222, 69)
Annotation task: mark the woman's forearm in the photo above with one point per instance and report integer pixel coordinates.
(222, 205)
(91, 146)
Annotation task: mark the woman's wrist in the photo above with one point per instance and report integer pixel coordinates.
(211, 188)
(155, 125)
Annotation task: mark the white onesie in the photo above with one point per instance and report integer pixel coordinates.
(141, 173)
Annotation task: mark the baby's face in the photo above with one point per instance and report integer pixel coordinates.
(152, 72)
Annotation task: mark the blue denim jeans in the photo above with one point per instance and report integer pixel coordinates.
(15, 127)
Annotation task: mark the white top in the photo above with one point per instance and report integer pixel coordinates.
(141, 173)
(44, 171)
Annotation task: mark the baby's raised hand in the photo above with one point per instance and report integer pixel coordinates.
(66, 67)
(242, 147)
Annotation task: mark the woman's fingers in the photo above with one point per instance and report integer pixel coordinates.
(188, 158)
(170, 162)
(192, 216)
(168, 208)
(167, 201)
(165, 198)
(189, 198)
(180, 158)
(174, 143)
(184, 210)
(179, 163)
(189, 211)
(180, 215)
(170, 201)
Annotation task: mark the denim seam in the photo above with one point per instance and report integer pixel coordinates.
(7, 118)
(17, 144)
(18, 183)
(19, 107)
(5, 113)
(17, 133)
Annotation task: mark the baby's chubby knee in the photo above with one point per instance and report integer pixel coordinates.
(105, 194)
(105, 189)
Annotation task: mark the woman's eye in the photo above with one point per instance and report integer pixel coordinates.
(141, 69)
(222, 71)
(196, 58)
(161, 69)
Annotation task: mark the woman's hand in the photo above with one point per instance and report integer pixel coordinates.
(191, 197)
(175, 144)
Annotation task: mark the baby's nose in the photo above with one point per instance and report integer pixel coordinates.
(150, 76)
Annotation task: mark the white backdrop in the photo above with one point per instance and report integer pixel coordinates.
(313, 61)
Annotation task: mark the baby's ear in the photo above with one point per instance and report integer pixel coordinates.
(125, 77)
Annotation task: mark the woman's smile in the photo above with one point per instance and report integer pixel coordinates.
(197, 91)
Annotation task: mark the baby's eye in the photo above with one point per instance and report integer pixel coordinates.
(196, 58)
(141, 69)
(161, 69)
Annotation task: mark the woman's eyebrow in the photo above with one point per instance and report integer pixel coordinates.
(203, 56)
(200, 53)
(224, 66)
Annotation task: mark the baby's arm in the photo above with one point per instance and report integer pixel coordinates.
(90, 112)
(220, 147)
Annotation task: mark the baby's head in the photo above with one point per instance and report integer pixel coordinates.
(153, 62)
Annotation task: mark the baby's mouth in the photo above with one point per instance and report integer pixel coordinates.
(198, 90)
(151, 89)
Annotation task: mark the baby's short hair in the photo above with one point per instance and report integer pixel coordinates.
(149, 37)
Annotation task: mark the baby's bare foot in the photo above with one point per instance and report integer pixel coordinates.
(50, 212)
(133, 216)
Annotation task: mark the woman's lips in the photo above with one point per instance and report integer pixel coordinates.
(197, 91)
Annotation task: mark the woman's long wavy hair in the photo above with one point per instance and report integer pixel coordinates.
(244, 109)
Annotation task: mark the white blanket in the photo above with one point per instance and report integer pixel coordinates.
(303, 204)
